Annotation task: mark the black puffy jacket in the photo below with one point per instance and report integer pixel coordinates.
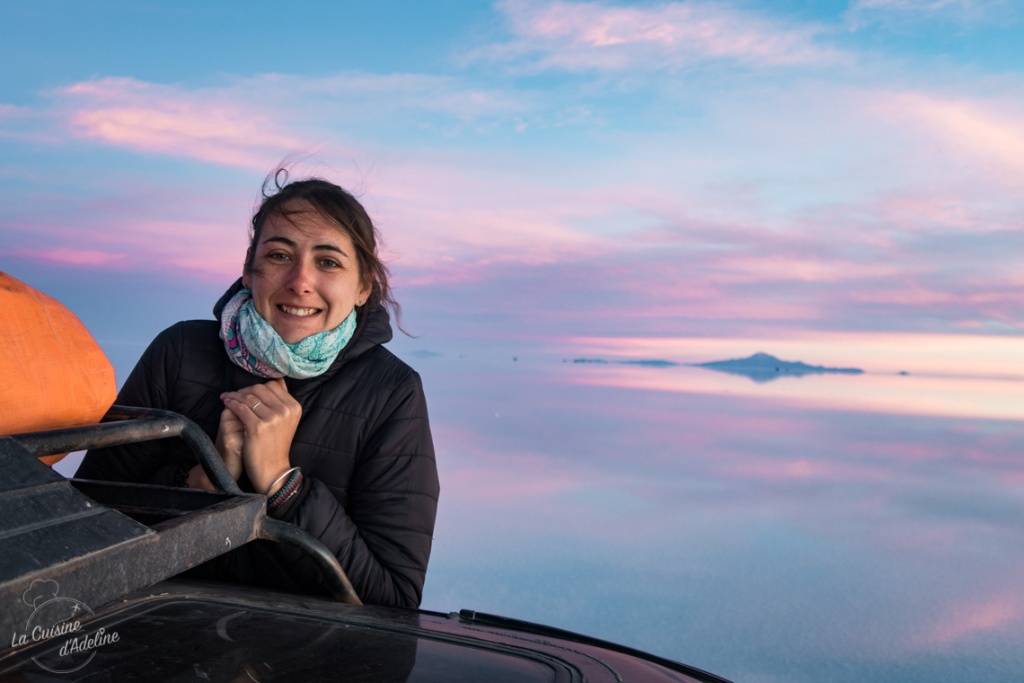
(370, 483)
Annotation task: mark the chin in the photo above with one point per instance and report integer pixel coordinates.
(296, 338)
(293, 334)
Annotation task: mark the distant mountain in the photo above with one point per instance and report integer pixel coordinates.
(764, 367)
(424, 353)
(654, 363)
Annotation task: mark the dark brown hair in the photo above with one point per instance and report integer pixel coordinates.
(280, 196)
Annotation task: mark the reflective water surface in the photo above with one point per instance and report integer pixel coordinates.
(840, 528)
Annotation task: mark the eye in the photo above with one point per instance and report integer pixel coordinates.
(329, 263)
(277, 256)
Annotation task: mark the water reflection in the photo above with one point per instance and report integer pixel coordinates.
(824, 528)
(982, 397)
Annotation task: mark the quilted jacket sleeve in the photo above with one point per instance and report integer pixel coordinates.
(382, 536)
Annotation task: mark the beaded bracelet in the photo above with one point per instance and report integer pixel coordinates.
(286, 492)
(279, 503)
(286, 488)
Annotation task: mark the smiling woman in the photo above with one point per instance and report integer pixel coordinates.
(305, 404)
(308, 279)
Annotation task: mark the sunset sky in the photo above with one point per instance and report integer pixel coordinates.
(540, 170)
(839, 182)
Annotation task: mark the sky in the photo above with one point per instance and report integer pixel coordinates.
(539, 170)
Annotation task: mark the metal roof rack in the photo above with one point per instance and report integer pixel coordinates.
(103, 540)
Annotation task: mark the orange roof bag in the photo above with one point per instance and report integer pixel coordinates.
(53, 374)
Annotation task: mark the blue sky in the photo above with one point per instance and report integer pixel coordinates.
(539, 169)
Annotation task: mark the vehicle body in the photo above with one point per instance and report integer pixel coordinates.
(90, 590)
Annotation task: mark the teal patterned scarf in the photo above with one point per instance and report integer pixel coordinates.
(253, 345)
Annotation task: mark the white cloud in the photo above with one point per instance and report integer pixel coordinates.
(579, 36)
(908, 5)
(864, 12)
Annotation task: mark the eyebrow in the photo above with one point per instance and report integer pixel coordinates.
(316, 247)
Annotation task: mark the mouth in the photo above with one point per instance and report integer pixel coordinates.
(296, 311)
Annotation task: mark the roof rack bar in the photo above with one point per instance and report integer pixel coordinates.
(122, 425)
(338, 584)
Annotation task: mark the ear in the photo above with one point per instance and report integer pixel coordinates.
(364, 293)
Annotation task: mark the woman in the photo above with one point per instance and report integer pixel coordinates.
(304, 403)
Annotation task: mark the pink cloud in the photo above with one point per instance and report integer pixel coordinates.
(490, 219)
(904, 296)
(802, 469)
(970, 619)
(173, 244)
(124, 240)
(582, 36)
(81, 257)
(784, 267)
(988, 132)
(921, 211)
(9, 111)
(200, 125)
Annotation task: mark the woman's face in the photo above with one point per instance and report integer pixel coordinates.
(305, 277)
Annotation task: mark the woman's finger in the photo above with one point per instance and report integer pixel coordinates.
(230, 439)
(247, 407)
(268, 402)
(238, 405)
(259, 395)
(275, 395)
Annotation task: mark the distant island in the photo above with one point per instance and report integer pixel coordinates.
(652, 363)
(764, 367)
(761, 367)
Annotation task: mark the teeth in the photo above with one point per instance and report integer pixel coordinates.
(298, 311)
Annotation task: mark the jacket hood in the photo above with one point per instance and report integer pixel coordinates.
(218, 307)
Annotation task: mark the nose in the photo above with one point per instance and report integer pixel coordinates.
(300, 278)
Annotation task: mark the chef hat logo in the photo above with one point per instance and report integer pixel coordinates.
(40, 592)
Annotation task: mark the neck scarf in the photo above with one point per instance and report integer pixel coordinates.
(253, 345)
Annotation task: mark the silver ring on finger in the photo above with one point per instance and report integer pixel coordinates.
(257, 405)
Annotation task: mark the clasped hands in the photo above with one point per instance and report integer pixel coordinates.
(255, 435)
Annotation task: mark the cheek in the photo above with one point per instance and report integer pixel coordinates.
(259, 298)
(261, 309)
